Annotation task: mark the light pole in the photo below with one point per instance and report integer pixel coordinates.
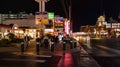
(70, 16)
(41, 5)
(70, 10)
(41, 14)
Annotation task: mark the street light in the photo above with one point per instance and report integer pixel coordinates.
(70, 17)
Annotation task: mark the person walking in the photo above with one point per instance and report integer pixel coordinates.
(46, 41)
(26, 40)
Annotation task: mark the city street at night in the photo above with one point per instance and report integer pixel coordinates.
(96, 56)
(45, 58)
(59, 33)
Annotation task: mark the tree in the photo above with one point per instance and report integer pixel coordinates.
(111, 20)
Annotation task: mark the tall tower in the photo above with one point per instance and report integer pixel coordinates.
(41, 5)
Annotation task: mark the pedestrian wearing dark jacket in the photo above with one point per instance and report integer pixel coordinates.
(26, 40)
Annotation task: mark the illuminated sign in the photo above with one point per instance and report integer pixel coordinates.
(60, 29)
(50, 15)
(41, 18)
(113, 25)
(59, 24)
(59, 19)
(48, 30)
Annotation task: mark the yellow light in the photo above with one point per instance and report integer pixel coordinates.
(37, 22)
(44, 21)
(68, 21)
(15, 28)
(21, 32)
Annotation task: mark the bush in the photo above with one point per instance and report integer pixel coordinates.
(17, 40)
(5, 42)
(11, 35)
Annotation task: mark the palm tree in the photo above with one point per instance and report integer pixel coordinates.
(111, 20)
(96, 30)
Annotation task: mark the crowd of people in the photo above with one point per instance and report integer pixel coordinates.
(47, 41)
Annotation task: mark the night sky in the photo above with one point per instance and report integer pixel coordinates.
(84, 12)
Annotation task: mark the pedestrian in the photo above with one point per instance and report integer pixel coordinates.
(46, 41)
(41, 41)
(26, 40)
(52, 42)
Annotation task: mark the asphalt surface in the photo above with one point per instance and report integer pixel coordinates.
(76, 57)
(105, 56)
(13, 60)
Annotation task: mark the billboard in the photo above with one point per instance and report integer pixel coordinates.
(41, 18)
(59, 24)
(59, 19)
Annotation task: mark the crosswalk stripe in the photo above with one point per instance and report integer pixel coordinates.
(33, 55)
(43, 55)
(47, 56)
(9, 59)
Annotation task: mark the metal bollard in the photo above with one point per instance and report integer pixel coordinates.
(64, 46)
(22, 46)
(75, 44)
(37, 47)
(71, 45)
(52, 47)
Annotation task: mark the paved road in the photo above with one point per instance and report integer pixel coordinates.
(14, 60)
(30, 58)
(45, 58)
(106, 57)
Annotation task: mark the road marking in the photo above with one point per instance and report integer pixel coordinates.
(109, 49)
(43, 55)
(8, 59)
(33, 55)
(48, 56)
(30, 54)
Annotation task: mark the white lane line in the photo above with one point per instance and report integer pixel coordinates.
(35, 55)
(110, 49)
(8, 59)
(43, 55)
(47, 56)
